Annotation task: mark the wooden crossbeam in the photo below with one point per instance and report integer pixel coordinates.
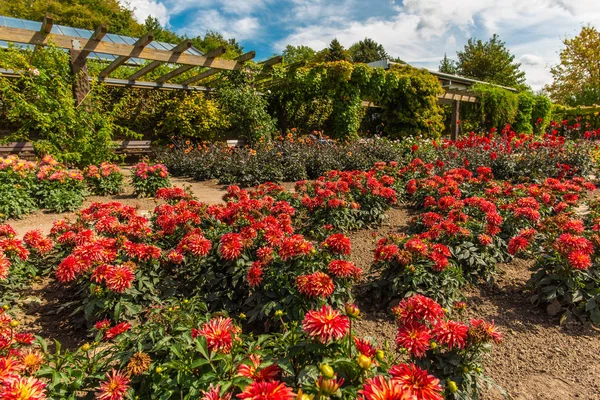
(180, 48)
(184, 68)
(139, 46)
(46, 27)
(239, 62)
(272, 61)
(19, 35)
(81, 56)
(47, 23)
(98, 34)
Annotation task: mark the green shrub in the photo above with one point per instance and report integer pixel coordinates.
(39, 104)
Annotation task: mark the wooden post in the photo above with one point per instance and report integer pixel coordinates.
(454, 129)
(81, 82)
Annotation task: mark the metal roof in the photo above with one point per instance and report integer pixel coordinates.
(441, 75)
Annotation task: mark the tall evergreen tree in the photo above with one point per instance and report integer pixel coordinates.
(490, 62)
(366, 51)
(336, 52)
(447, 66)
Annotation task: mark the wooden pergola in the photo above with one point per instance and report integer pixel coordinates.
(117, 51)
(457, 89)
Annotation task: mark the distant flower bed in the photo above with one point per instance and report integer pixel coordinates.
(27, 186)
(286, 159)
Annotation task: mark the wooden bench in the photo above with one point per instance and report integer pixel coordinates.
(236, 143)
(124, 147)
(134, 147)
(17, 148)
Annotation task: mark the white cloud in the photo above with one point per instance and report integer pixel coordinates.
(145, 8)
(420, 31)
(238, 28)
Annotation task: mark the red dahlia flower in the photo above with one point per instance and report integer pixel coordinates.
(117, 330)
(294, 246)
(483, 331)
(274, 390)
(418, 308)
(365, 347)
(220, 334)
(18, 388)
(325, 324)
(450, 333)
(386, 252)
(255, 274)
(256, 373)
(414, 337)
(579, 260)
(317, 284)
(115, 386)
(344, 269)
(417, 382)
(119, 278)
(230, 246)
(214, 393)
(380, 388)
(338, 244)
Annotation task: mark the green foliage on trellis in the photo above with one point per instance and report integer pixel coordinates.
(39, 105)
(583, 114)
(335, 90)
(409, 98)
(498, 107)
(524, 112)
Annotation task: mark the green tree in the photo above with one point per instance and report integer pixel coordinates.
(490, 62)
(293, 54)
(577, 76)
(160, 34)
(336, 52)
(212, 40)
(366, 51)
(85, 14)
(447, 66)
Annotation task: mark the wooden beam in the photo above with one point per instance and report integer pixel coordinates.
(139, 45)
(19, 35)
(98, 34)
(149, 85)
(180, 48)
(455, 128)
(46, 27)
(184, 68)
(47, 23)
(81, 60)
(219, 51)
(272, 61)
(239, 62)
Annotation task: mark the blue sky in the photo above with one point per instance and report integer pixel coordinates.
(417, 31)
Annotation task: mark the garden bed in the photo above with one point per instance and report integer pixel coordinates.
(539, 360)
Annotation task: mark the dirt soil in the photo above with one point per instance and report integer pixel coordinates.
(539, 360)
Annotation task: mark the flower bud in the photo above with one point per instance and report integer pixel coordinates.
(433, 345)
(278, 313)
(452, 387)
(159, 370)
(6, 307)
(242, 316)
(327, 371)
(14, 323)
(364, 362)
(380, 355)
(86, 347)
(352, 310)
